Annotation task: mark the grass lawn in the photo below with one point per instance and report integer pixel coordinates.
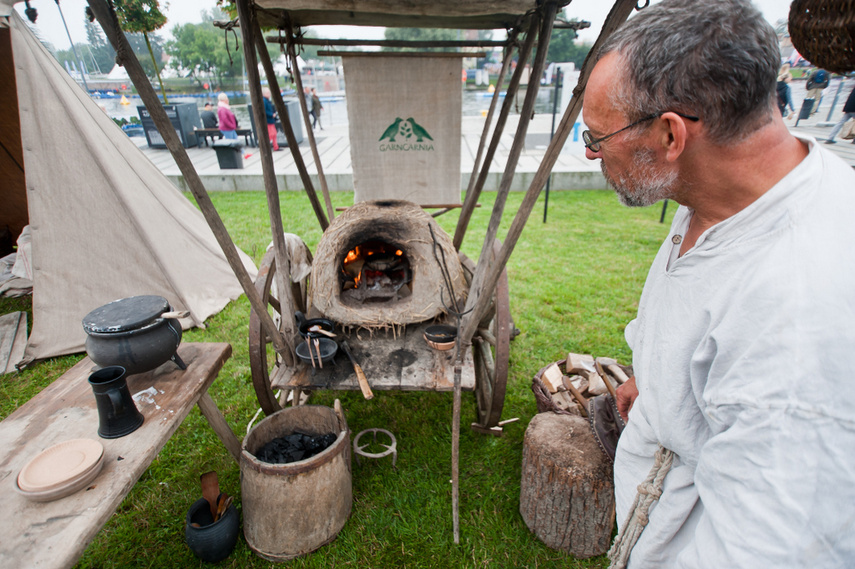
(575, 283)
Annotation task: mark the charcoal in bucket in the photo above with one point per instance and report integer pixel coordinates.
(294, 447)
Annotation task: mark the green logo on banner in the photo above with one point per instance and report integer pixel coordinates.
(405, 135)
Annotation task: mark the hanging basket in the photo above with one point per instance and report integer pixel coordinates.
(823, 32)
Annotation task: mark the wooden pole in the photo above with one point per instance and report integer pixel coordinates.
(282, 277)
(455, 456)
(618, 14)
(469, 202)
(477, 290)
(285, 119)
(298, 81)
(391, 43)
(476, 167)
(110, 24)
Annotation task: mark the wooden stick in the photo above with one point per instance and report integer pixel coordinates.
(455, 456)
(579, 397)
(363, 381)
(293, 146)
(606, 379)
(298, 82)
(476, 167)
(466, 212)
(391, 43)
(479, 296)
(283, 263)
(110, 24)
(218, 423)
(619, 13)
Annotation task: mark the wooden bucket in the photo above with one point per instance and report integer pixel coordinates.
(292, 509)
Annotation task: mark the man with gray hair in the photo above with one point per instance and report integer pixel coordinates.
(740, 415)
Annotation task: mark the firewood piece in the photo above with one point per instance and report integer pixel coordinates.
(611, 366)
(577, 363)
(566, 488)
(596, 383)
(552, 378)
(579, 382)
(617, 373)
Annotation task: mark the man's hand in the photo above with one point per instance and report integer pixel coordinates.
(626, 395)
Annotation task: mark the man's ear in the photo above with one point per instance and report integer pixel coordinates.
(673, 135)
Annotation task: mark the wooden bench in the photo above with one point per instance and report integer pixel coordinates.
(214, 133)
(55, 534)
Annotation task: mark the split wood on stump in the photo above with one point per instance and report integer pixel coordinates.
(567, 490)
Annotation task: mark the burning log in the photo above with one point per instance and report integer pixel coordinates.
(376, 266)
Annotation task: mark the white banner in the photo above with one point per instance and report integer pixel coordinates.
(404, 115)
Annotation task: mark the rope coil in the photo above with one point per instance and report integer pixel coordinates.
(648, 492)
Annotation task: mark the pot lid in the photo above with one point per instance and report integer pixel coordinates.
(125, 314)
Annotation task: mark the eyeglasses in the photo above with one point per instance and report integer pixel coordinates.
(593, 144)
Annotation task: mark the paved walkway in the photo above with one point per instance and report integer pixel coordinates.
(572, 171)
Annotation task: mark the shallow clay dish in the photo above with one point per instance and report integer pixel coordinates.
(60, 465)
(67, 488)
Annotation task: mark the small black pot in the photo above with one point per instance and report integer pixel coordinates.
(303, 325)
(131, 333)
(441, 333)
(212, 541)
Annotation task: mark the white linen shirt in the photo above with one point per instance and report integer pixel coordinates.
(743, 350)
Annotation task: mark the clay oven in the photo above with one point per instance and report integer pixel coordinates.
(376, 265)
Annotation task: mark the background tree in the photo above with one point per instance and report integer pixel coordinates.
(145, 17)
(99, 48)
(200, 50)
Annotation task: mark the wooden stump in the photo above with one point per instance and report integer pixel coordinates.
(567, 490)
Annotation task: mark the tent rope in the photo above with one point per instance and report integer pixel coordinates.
(648, 492)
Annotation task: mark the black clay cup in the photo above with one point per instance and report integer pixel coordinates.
(211, 541)
(117, 414)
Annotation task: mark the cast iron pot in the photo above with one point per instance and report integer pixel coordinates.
(304, 326)
(133, 333)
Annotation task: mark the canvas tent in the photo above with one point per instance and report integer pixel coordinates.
(105, 223)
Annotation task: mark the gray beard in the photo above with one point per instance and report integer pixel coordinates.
(646, 185)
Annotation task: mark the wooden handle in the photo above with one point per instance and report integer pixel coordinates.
(176, 314)
(583, 402)
(363, 381)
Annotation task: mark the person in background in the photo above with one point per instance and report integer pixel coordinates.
(317, 107)
(739, 443)
(816, 83)
(209, 119)
(270, 116)
(848, 113)
(228, 121)
(785, 94)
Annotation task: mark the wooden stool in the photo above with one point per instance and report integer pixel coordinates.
(567, 491)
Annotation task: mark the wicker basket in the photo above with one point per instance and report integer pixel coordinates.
(542, 395)
(823, 32)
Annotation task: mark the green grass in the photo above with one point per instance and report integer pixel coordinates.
(575, 283)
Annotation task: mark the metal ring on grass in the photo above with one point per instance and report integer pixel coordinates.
(390, 449)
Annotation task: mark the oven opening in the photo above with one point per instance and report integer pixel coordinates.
(375, 271)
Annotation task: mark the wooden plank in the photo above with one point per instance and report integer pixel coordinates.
(410, 54)
(55, 534)
(403, 363)
(472, 14)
